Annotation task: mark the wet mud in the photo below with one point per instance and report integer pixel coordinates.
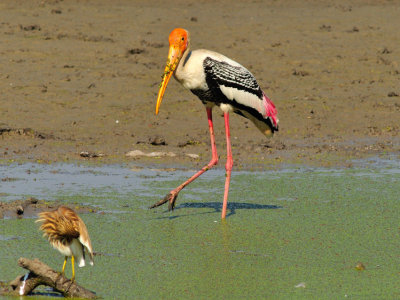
(29, 208)
(79, 80)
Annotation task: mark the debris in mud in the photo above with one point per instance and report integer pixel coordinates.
(19, 210)
(193, 19)
(192, 142)
(360, 266)
(153, 45)
(30, 27)
(135, 51)
(88, 154)
(8, 179)
(136, 153)
(276, 44)
(158, 154)
(300, 285)
(385, 51)
(31, 207)
(393, 94)
(274, 144)
(56, 11)
(157, 141)
(300, 73)
(384, 61)
(192, 155)
(354, 29)
(325, 27)
(24, 132)
(94, 38)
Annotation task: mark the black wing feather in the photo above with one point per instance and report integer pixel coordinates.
(222, 73)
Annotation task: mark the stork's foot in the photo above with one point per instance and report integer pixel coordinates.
(170, 197)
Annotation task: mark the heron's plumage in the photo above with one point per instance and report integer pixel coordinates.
(67, 233)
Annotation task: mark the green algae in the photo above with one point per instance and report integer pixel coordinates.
(297, 233)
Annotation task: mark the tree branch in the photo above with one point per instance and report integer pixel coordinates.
(42, 274)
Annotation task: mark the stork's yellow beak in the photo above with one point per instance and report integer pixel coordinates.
(174, 55)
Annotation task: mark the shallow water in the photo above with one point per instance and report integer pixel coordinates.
(299, 227)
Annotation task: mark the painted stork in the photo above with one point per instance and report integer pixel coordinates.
(216, 80)
(68, 234)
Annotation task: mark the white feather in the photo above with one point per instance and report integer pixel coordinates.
(88, 249)
(190, 72)
(226, 107)
(244, 98)
(77, 251)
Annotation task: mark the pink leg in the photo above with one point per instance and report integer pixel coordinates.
(171, 197)
(228, 166)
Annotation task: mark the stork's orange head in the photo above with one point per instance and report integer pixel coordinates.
(178, 43)
(179, 38)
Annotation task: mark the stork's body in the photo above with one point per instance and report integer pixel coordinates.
(67, 233)
(216, 80)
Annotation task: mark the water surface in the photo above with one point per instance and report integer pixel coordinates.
(293, 233)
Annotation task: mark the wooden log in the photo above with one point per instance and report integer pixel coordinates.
(42, 274)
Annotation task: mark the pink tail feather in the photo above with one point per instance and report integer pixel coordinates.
(270, 110)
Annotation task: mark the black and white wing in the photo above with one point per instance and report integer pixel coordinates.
(234, 85)
(231, 83)
(222, 74)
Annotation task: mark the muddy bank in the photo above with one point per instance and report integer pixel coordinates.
(79, 80)
(29, 208)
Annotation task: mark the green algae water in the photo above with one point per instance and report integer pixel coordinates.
(296, 233)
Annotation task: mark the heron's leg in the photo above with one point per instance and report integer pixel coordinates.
(228, 166)
(65, 263)
(73, 268)
(172, 195)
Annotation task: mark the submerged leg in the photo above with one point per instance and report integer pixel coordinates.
(228, 166)
(172, 195)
